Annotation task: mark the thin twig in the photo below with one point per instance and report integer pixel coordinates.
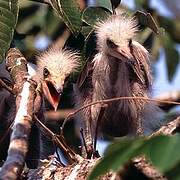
(107, 101)
(58, 140)
(83, 139)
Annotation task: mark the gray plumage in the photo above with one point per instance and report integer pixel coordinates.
(120, 68)
(53, 66)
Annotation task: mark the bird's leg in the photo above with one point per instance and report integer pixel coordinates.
(90, 138)
(139, 130)
(88, 141)
(85, 149)
(101, 113)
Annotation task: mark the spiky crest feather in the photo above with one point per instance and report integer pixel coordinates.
(119, 28)
(59, 62)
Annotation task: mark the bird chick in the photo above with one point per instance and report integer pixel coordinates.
(53, 67)
(119, 69)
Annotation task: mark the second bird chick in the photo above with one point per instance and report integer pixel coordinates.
(121, 68)
(53, 67)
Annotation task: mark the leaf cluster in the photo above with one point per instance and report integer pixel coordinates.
(162, 151)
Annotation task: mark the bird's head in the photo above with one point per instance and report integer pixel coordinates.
(53, 67)
(115, 34)
(115, 39)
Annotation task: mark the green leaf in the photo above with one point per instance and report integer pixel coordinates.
(155, 48)
(92, 15)
(141, 4)
(163, 152)
(99, 12)
(171, 54)
(147, 20)
(104, 4)
(8, 20)
(172, 60)
(70, 13)
(86, 31)
(116, 155)
(174, 174)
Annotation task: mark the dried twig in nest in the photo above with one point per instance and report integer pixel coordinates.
(107, 101)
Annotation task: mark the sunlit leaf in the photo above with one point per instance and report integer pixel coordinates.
(172, 61)
(172, 26)
(174, 174)
(158, 149)
(70, 13)
(147, 20)
(99, 12)
(92, 15)
(171, 54)
(155, 48)
(86, 30)
(116, 155)
(8, 19)
(104, 4)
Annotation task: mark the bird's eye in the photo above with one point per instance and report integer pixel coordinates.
(45, 72)
(130, 42)
(111, 44)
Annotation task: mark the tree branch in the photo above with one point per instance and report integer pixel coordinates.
(59, 141)
(168, 96)
(107, 101)
(81, 169)
(25, 90)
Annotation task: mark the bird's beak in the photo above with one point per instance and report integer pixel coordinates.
(124, 54)
(52, 92)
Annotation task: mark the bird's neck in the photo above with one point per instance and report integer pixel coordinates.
(111, 75)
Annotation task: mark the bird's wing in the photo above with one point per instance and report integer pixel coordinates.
(4, 74)
(142, 67)
(85, 78)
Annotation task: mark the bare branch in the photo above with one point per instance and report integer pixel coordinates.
(168, 96)
(81, 169)
(143, 165)
(107, 101)
(25, 89)
(59, 141)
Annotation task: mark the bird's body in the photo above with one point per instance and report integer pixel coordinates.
(7, 111)
(120, 118)
(119, 69)
(53, 66)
